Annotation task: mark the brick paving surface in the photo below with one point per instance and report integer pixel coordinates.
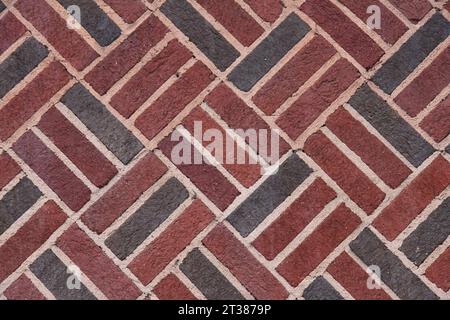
(89, 190)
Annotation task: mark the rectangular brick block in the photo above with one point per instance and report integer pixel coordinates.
(414, 199)
(321, 289)
(371, 150)
(414, 10)
(171, 288)
(52, 170)
(293, 74)
(268, 53)
(129, 11)
(150, 78)
(93, 262)
(67, 42)
(97, 168)
(8, 169)
(158, 254)
(200, 32)
(318, 245)
(311, 104)
(440, 269)
(259, 281)
(23, 288)
(30, 237)
(46, 84)
(269, 195)
(346, 174)
(123, 193)
(12, 30)
(126, 55)
(268, 10)
(344, 31)
(294, 219)
(174, 100)
(354, 279)
(437, 122)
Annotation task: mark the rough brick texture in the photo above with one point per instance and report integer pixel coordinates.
(90, 112)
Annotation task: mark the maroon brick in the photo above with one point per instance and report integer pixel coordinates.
(268, 10)
(204, 176)
(23, 289)
(174, 100)
(129, 11)
(318, 245)
(238, 22)
(392, 27)
(293, 75)
(158, 254)
(126, 55)
(414, 199)
(30, 237)
(8, 169)
(344, 31)
(12, 30)
(150, 78)
(423, 89)
(47, 83)
(93, 262)
(437, 122)
(371, 150)
(171, 288)
(440, 269)
(245, 173)
(243, 265)
(310, 105)
(97, 168)
(123, 193)
(294, 219)
(414, 10)
(354, 279)
(346, 174)
(238, 115)
(68, 42)
(52, 170)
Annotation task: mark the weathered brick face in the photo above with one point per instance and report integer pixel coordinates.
(358, 208)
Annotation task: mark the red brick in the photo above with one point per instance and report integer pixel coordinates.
(171, 288)
(174, 100)
(318, 245)
(23, 289)
(30, 237)
(414, 199)
(33, 96)
(344, 31)
(12, 30)
(8, 169)
(150, 78)
(129, 11)
(294, 219)
(371, 150)
(245, 173)
(97, 168)
(423, 89)
(112, 68)
(161, 251)
(414, 10)
(243, 265)
(66, 41)
(52, 170)
(439, 271)
(238, 22)
(392, 28)
(204, 176)
(268, 10)
(238, 115)
(346, 174)
(293, 75)
(303, 112)
(93, 262)
(437, 122)
(354, 279)
(123, 193)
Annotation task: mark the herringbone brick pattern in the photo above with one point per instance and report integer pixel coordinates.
(87, 180)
